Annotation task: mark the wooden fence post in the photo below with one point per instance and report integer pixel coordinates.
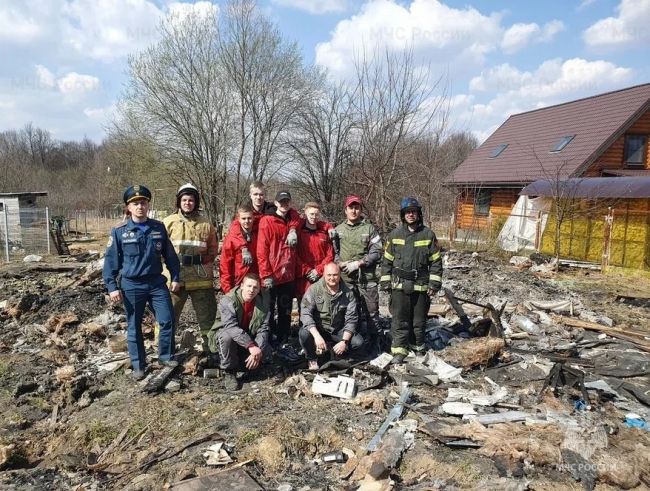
(607, 238)
(538, 231)
(452, 228)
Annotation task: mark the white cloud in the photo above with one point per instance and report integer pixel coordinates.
(499, 78)
(520, 35)
(179, 10)
(315, 7)
(463, 36)
(550, 29)
(17, 24)
(554, 81)
(110, 29)
(76, 83)
(631, 27)
(585, 3)
(101, 114)
(44, 76)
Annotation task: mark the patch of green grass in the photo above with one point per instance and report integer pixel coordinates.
(248, 437)
(135, 428)
(99, 432)
(4, 368)
(38, 402)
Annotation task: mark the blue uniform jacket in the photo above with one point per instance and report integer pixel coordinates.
(136, 253)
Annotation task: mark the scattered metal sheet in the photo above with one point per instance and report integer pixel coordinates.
(393, 415)
(505, 417)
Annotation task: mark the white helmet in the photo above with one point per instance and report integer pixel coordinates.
(191, 189)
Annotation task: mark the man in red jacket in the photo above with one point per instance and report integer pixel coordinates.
(262, 207)
(238, 250)
(276, 261)
(315, 249)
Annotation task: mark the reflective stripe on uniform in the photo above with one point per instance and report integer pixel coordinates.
(416, 288)
(435, 277)
(434, 257)
(399, 241)
(385, 278)
(389, 256)
(398, 350)
(422, 243)
(192, 243)
(198, 285)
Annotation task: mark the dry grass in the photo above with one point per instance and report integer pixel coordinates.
(473, 352)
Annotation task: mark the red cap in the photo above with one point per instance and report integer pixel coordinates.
(352, 199)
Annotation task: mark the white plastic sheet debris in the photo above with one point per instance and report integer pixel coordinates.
(342, 387)
(525, 324)
(382, 361)
(520, 261)
(521, 227)
(217, 455)
(458, 408)
(476, 397)
(559, 306)
(32, 258)
(445, 372)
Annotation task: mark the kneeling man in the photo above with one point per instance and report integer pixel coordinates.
(240, 333)
(329, 317)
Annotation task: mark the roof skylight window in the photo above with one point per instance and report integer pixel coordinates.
(563, 142)
(498, 150)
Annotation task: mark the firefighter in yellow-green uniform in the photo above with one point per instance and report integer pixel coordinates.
(195, 240)
(412, 271)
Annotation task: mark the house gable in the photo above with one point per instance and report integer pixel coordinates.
(531, 138)
(612, 160)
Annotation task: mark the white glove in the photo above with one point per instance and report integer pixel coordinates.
(351, 266)
(268, 283)
(333, 233)
(292, 238)
(246, 257)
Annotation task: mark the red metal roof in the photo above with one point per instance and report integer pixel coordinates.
(595, 121)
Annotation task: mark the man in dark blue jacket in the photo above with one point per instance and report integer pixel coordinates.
(135, 251)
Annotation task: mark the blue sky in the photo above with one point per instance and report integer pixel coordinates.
(64, 61)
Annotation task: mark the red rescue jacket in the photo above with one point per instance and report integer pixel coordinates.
(275, 259)
(231, 269)
(269, 209)
(315, 250)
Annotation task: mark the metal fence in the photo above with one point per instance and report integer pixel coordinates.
(24, 231)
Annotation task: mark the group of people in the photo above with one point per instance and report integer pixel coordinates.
(270, 255)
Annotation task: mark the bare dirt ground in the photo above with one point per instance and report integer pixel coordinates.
(71, 418)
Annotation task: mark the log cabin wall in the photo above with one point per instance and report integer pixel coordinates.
(613, 157)
(501, 203)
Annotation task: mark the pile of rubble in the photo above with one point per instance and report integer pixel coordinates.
(526, 384)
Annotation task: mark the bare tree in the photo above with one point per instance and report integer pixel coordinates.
(394, 104)
(269, 85)
(177, 100)
(434, 157)
(319, 145)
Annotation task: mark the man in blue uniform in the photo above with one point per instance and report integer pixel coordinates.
(135, 252)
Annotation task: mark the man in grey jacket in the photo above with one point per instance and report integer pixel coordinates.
(240, 333)
(329, 317)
